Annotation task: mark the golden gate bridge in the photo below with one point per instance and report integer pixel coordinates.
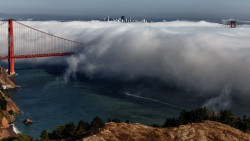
(20, 41)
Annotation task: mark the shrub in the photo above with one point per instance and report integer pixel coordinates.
(114, 120)
(1, 116)
(201, 114)
(19, 137)
(127, 121)
(82, 127)
(3, 103)
(69, 130)
(57, 133)
(96, 123)
(44, 136)
(11, 112)
(171, 122)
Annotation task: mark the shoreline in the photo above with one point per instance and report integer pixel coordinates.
(8, 110)
(15, 129)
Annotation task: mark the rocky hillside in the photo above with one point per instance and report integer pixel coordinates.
(5, 82)
(206, 131)
(8, 109)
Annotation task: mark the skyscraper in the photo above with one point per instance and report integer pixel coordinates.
(123, 18)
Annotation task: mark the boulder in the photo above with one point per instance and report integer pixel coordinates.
(27, 121)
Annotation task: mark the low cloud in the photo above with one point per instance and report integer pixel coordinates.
(193, 55)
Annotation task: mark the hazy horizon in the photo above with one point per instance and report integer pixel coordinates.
(159, 9)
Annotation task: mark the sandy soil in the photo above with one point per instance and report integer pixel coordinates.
(206, 131)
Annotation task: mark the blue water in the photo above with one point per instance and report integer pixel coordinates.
(47, 99)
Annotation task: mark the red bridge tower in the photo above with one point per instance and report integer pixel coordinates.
(36, 43)
(233, 24)
(11, 48)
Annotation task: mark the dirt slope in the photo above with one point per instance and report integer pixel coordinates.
(206, 131)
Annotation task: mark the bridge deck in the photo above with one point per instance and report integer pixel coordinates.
(36, 55)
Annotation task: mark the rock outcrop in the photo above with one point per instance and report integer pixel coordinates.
(8, 109)
(27, 121)
(5, 82)
(206, 131)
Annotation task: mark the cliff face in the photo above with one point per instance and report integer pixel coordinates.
(7, 115)
(8, 109)
(206, 131)
(5, 82)
(11, 109)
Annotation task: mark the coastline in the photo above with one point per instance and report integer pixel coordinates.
(8, 109)
(14, 129)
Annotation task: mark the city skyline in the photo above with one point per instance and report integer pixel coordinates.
(161, 9)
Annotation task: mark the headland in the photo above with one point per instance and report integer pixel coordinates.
(8, 109)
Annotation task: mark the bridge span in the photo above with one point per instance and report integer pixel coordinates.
(20, 41)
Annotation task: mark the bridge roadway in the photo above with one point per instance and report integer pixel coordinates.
(36, 55)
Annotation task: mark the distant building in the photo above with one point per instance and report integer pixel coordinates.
(122, 18)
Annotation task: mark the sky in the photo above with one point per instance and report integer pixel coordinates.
(172, 9)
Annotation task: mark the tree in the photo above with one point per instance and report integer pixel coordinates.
(225, 117)
(69, 130)
(82, 127)
(44, 136)
(96, 123)
(171, 122)
(22, 137)
(57, 133)
(19, 137)
(182, 119)
(3, 103)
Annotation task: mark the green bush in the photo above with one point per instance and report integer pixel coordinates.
(82, 127)
(114, 120)
(96, 123)
(11, 112)
(201, 114)
(22, 137)
(3, 103)
(171, 122)
(19, 137)
(44, 136)
(127, 121)
(57, 133)
(66, 131)
(69, 130)
(1, 116)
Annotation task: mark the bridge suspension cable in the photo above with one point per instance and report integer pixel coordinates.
(19, 41)
(29, 40)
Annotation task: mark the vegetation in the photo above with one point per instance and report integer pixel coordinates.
(11, 112)
(71, 131)
(116, 120)
(3, 103)
(96, 124)
(3, 106)
(83, 129)
(7, 93)
(1, 117)
(19, 137)
(44, 136)
(201, 114)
